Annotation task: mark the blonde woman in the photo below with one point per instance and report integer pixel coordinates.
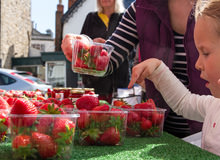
(99, 26)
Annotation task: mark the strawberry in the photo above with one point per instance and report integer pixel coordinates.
(83, 120)
(95, 50)
(111, 136)
(117, 113)
(104, 53)
(51, 100)
(63, 130)
(152, 102)
(21, 141)
(51, 108)
(80, 63)
(157, 118)
(65, 101)
(87, 102)
(118, 103)
(44, 124)
(22, 106)
(98, 115)
(133, 117)
(145, 124)
(81, 46)
(11, 101)
(4, 124)
(45, 145)
(102, 62)
(3, 103)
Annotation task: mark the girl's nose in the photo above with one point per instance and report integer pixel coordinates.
(198, 64)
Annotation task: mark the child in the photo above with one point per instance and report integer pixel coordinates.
(201, 108)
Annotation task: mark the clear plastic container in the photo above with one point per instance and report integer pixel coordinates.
(42, 136)
(90, 57)
(4, 125)
(145, 122)
(101, 127)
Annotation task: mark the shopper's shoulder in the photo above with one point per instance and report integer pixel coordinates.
(92, 14)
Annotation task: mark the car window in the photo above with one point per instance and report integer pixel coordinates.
(6, 80)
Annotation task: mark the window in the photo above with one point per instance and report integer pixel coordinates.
(5, 80)
(40, 47)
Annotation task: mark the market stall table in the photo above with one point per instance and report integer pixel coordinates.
(166, 147)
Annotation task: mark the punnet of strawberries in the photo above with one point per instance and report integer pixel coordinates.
(90, 58)
(41, 130)
(144, 119)
(99, 123)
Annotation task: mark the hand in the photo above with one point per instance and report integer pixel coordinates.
(99, 40)
(143, 70)
(67, 43)
(67, 46)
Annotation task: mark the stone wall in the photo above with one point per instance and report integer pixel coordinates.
(15, 30)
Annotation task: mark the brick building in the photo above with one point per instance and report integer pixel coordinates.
(15, 30)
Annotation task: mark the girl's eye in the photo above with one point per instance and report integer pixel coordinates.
(205, 54)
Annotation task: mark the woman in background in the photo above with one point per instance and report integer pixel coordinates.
(99, 26)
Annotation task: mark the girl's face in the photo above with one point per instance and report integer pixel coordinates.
(107, 3)
(207, 41)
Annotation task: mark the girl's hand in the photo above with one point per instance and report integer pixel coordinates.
(143, 70)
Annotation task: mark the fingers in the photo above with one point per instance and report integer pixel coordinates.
(99, 40)
(136, 72)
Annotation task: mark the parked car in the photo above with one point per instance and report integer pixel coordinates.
(21, 80)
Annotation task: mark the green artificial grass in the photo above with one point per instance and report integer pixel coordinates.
(166, 147)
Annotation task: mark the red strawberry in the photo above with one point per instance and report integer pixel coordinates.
(126, 107)
(117, 113)
(102, 62)
(51, 108)
(45, 144)
(111, 136)
(133, 117)
(3, 103)
(23, 106)
(51, 100)
(21, 141)
(152, 102)
(145, 124)
(87, 102)
(81, 46)
(95, 50)
(80, 63)
(4, 124)
(83, 120)
(104, 53)
(44, 124)
(66, 101)
(157, 118)
(11, 101)
(118, 103)
(100, 116)
(64, 126)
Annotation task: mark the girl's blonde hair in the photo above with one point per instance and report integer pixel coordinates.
(210, 8)
(119, 6)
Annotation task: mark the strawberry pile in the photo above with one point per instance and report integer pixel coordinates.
(46, 131)
(99, 124)
(144, 119)
(90, 59)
